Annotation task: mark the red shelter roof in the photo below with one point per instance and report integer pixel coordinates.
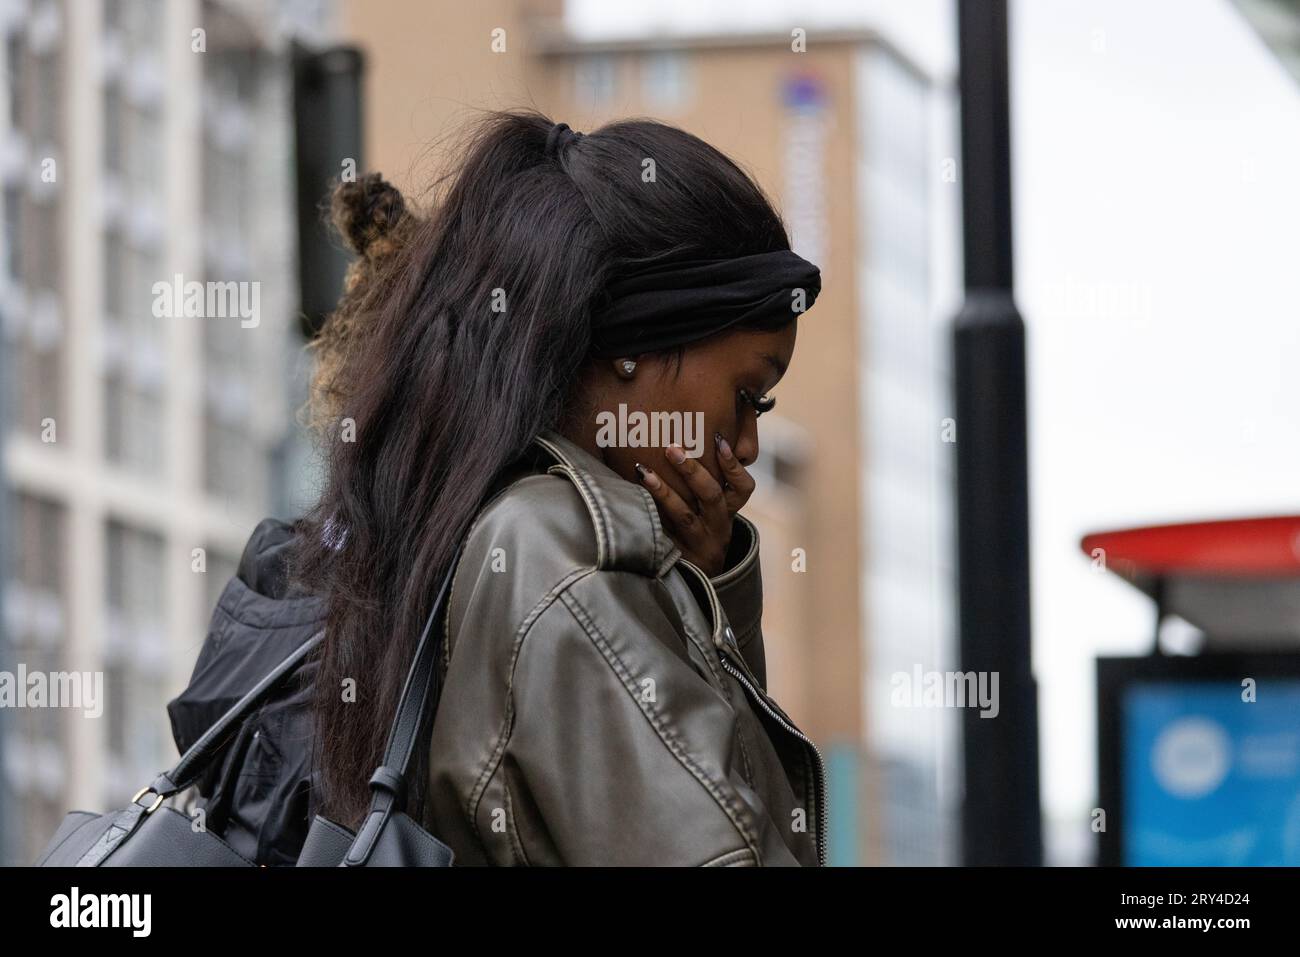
(1252, 547)
(1237, 580)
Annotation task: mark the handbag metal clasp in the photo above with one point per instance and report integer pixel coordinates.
(145, 790)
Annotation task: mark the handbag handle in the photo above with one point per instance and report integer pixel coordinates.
(419, 694)
(201, 753)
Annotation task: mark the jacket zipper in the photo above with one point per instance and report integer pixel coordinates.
(716, 607)
(821, 776)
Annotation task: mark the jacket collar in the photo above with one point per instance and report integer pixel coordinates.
(629, 535)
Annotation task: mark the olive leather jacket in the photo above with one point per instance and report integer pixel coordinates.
(603, 700)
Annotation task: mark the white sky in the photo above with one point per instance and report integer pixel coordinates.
(1164, 167)
(1155, 146)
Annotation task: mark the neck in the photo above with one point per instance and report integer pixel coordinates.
(579, 425)
(583, 435)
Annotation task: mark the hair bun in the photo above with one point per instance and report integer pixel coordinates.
(366, 211)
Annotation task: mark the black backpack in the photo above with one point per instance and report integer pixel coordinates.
(244, 729)
(262, 795)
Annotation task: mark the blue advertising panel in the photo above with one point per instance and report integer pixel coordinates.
(1199, 760)
(1210, 778)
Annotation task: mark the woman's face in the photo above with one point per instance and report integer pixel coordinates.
(707, 393)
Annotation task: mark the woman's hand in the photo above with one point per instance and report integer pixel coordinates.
(701, 529)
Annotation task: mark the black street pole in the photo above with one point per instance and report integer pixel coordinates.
(328, 139)
(328, 102)
(1001, 818)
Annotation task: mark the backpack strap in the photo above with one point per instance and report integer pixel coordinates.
(203, 751)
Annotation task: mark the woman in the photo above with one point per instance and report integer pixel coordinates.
(603, 684)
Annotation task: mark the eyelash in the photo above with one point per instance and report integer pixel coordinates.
(761, 404)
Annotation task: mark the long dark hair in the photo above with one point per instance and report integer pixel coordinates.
(424, 392)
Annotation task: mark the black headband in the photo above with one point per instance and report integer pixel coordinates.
(666, 303)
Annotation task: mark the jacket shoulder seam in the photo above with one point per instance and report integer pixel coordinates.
(507, 723)
(477, 523)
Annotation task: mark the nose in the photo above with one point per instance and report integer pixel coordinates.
(746, 447)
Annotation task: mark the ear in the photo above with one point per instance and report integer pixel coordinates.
(625, 367)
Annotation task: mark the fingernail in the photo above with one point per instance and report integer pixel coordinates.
(647, 476)
(675, 454)
(723, 447)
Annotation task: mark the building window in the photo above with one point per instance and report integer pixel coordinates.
(133, 367)
(595, 80)
(135, 657)
(35, 608)
(665, 79)
(236, 452)
(32, 273)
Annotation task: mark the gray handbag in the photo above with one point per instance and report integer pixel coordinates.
(147, 834)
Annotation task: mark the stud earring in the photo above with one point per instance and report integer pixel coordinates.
(628, 366)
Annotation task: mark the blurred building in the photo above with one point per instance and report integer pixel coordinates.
(140, 141)
(856, 144)
(1278, 25)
